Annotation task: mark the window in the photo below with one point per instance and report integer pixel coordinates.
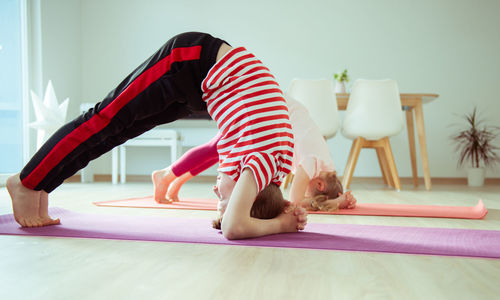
(12, 62)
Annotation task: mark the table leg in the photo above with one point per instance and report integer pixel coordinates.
(419, 121)
(411, 140)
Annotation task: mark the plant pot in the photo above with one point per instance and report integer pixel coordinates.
(475, 176)
(340, 87)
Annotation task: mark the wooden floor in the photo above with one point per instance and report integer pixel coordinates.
(66, 268)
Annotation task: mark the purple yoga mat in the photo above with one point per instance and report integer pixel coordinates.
(392, 239)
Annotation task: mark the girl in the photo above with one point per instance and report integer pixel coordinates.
(240, 94)
(315, 185)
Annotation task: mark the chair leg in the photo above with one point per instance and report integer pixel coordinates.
(382, 160)
(391, 164)
(357, 144)
(288, 180)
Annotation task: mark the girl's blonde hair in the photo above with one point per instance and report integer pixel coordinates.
(333, 187)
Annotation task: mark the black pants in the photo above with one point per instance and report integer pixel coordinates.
(166, 87)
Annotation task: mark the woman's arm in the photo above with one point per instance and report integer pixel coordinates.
(237, 223)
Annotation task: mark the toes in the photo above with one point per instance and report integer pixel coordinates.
(165, 201)
(22, 222)
(161, 199)
(172, 198)
(37, 222)
(50, 221)
(28, 222)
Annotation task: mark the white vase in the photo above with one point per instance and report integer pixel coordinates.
(340, 87)
(475, 176)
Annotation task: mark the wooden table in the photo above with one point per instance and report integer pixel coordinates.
(411, 103)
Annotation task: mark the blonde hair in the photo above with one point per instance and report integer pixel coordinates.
(333, 187)
(268, 204)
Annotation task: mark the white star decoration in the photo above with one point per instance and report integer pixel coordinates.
(49, 114)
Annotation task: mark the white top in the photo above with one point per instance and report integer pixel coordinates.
(310, 149)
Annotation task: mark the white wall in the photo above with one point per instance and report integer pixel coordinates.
(445, 47)
(61, 50)
(55, 52)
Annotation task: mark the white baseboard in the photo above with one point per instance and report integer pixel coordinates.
(3, 178)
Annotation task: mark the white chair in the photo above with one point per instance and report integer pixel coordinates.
(318, 96)
(373, 115)
(153, 138)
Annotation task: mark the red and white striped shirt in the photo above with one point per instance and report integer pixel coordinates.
(251, 113)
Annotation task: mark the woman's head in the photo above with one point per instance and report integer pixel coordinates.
(223, 190)
(268, 204)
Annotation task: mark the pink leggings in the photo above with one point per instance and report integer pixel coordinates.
(198, 159)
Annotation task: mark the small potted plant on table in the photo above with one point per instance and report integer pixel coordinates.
(474, 145)
(341, 79)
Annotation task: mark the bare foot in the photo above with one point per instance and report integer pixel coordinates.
(27, 205)
(44, 210)
(175, 186)
(161, 181)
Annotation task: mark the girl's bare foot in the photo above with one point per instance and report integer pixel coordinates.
(175, 186)
(161, 181)
(27, 204)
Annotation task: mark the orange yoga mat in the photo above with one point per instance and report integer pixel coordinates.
(366, 209)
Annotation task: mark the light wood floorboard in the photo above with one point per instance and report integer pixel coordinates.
(70, 268)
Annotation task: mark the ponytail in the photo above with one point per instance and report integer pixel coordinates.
(318, 202)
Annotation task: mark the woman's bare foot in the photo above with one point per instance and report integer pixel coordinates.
(27, 205)
(44, 210)
(161, 181)
(175, 186)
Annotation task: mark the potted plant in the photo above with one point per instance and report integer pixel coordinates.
(474, 145)
(341, 79)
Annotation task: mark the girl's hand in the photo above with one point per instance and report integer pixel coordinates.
(346, 200)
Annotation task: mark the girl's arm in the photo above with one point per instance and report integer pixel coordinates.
(299, 187)
(237, 223)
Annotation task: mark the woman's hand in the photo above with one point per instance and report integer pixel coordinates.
(293, 218)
